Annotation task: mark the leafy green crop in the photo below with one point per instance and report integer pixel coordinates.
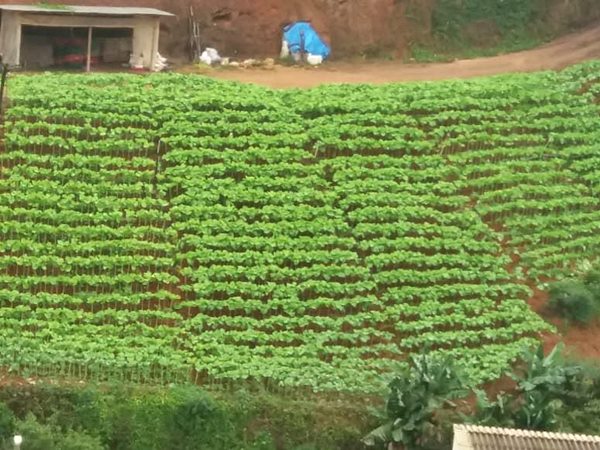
(164, 228)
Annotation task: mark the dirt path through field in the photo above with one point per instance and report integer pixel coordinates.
(565, 51)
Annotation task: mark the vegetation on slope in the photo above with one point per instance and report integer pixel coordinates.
(474, 28)
(169, 228)
(118, 417)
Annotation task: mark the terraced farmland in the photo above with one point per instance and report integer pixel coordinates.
(169, 227)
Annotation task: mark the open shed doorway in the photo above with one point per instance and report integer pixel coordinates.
(67, 48)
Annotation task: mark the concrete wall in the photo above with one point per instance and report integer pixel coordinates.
(10, 37)
(145, 39)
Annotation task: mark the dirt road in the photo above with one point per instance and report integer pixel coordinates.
(565, 51)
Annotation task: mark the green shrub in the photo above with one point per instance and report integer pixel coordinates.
(125, 417)
(580, 409)
(263, 442)
(582, 420)
(592, 281)
(573, 300)
(77, 440)
(197, 418)
(39, 436)
(493, 413)
(68, 408)
(7, 422)
(547, 387)
(35, 435)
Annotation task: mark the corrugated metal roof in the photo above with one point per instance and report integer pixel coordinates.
(86, 10)
(489, 438)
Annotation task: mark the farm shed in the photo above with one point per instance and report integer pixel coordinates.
(469, 437)
(30, 34)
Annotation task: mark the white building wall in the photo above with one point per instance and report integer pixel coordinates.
(145, 39)
(10, 37)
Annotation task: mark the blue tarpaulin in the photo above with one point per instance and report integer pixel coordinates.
(301, 37)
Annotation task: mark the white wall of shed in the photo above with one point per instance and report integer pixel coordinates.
(10, 37)
(145, 40)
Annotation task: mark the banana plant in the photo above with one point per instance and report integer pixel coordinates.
(428, 384)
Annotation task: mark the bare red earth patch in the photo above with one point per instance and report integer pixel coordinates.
(581, 341)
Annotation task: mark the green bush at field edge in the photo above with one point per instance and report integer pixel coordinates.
(572, 300)
(576, 300)
(179, 418)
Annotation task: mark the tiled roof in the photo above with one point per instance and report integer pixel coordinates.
(470, 437)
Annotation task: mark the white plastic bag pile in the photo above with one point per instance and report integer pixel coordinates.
(285, 50)
(160, 64)
(137, 62)
(210, 56)
(314, 60)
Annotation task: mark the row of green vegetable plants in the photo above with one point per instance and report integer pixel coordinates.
(307, 242)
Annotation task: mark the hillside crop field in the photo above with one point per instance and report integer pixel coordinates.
(167, 228)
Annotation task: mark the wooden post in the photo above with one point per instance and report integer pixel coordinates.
(3, 83)
(88, 66)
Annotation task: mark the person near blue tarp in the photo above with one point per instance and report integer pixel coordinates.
(301, 38)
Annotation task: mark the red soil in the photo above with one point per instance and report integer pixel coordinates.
(581, 341)
(568, 50)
